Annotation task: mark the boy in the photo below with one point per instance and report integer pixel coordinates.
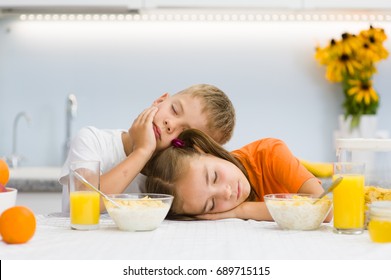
(123, 154)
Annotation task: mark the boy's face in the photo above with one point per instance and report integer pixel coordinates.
(175, 114)
(210, 185)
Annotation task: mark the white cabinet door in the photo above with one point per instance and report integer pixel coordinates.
(130, 4)
(223, 3)
(347, 4)
(139, 4)
(288, 4)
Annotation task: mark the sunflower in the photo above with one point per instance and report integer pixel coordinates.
(351, 61)
(368, 53)
(373, 39)
(376, 35)
(327, 54)
(362, 90)
(341, 66)
(349, 43)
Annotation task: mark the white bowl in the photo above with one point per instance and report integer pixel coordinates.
(7, 199)
(297, 211)
(139, 211)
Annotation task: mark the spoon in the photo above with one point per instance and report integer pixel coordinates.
(330, 189)
(85, 182)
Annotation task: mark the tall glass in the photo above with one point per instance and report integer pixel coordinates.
(83, 200)
(348, 198)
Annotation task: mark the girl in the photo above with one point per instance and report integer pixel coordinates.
(209, 182)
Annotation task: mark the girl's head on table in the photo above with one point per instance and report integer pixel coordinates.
(201, 175)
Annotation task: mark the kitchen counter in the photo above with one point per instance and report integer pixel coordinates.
(40, 202)
(192, 240)
(35, 179)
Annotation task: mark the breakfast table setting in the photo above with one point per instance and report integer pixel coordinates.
(191, 240)
(138, 227)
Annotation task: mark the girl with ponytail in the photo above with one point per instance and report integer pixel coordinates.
(208, 182)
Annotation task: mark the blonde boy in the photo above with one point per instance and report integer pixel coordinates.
(123, 154)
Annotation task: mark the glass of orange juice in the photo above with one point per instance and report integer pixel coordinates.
(83, 200)
(348, 198)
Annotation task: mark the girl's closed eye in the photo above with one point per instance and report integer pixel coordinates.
(174, 109)
(213, 205)
(215, 179)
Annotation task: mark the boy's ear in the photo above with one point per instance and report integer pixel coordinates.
(161, 99)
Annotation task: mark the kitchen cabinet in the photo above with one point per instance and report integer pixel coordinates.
(347, 4)
(290, 4)
(65, 3)
(126, 5)
(271, 4)
(71, 5)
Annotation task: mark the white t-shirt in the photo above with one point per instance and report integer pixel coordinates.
(103, 145)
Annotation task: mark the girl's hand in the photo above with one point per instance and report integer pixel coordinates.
(247, 210)
(233, 213)
(142, 131)
(216, 216)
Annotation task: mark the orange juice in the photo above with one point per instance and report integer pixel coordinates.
(379, 226)
(348, 203)
(380, 231)
(84, 209)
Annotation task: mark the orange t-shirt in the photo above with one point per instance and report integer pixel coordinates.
(272, 168)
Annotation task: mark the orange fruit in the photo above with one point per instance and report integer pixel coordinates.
(17, 225)
(4, 172)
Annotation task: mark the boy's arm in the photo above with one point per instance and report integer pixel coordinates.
(119, 177)
(143, 144)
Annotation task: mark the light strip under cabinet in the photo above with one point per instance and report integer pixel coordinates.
(211, 17)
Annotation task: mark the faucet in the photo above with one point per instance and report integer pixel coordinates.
(14, 159)
(71, 111)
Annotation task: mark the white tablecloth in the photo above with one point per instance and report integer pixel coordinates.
(187, 240)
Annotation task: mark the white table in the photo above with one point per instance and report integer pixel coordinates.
(189, 240)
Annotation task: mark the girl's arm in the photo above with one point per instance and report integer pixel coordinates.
(258, 210)
(247, 210)
(312, 186)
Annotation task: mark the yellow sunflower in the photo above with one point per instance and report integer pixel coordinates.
(376, 35)
(349, 43)
(372, 47)
(351, 61)
(341, 66)
(368, 53)
(328, 53)
(362, 90)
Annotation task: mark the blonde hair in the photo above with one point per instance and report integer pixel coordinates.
(218, 108)
(169, 165)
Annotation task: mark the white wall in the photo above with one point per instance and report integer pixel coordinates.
(118, 68)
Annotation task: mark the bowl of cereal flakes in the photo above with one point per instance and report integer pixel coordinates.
(138, 211)
(298, 211)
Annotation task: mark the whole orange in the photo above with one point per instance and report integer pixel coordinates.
(4, 172)
(17, 225)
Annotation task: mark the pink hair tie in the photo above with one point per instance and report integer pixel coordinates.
(177, 143)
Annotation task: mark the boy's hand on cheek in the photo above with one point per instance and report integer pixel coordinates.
(142, 131)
